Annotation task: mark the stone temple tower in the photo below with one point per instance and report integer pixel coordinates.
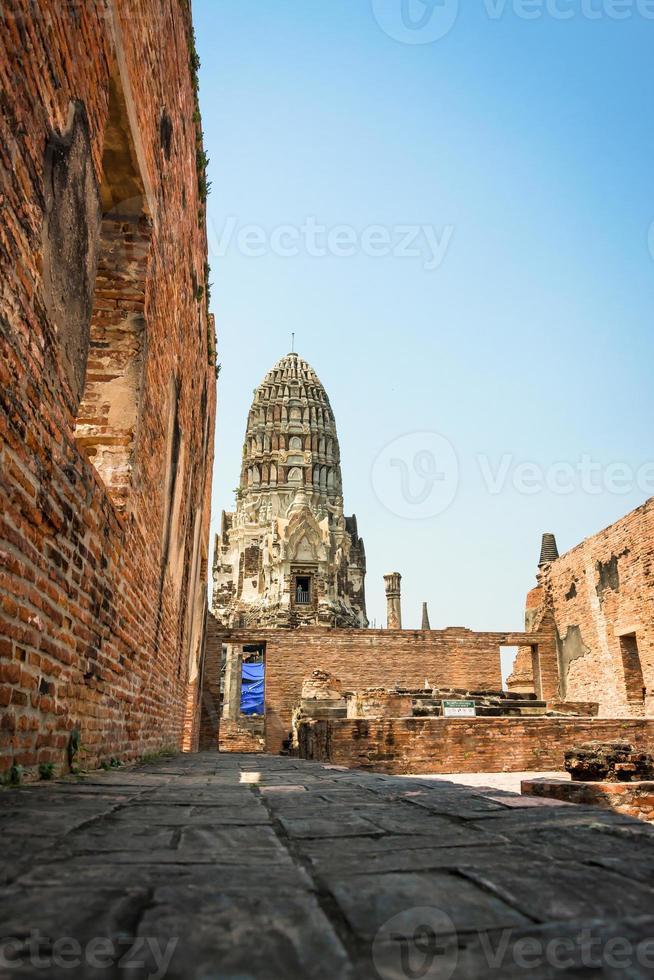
(288, 556)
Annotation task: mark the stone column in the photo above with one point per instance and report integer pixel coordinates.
(393, 601)
(233, 676)
(425, 617)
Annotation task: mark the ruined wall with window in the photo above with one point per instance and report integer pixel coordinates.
(455, 658)
(601, 597)
(107, 381)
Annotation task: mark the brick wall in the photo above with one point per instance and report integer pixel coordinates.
(455, 657)
(601, 596)
(448, 745)
(99, 629)
(634, 799)
(241, 736)
(211, 700)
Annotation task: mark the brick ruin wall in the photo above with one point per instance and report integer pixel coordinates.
(633, 799)
(241, 736)
(601, 596)
(104, 473)
(211, 698)
(457, 658)
(449, 745)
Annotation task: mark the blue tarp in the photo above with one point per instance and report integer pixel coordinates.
(252, 689)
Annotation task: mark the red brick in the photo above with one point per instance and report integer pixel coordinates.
(82, 590)
(591, 611)
(450, 745)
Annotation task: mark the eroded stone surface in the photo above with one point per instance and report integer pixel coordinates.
(259, 866)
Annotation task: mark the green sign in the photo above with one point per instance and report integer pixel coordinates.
(459, 709)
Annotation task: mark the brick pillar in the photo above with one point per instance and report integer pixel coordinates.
(546, 672)
(191, 718)
(393, 601)
(233, 673)
(211, 699)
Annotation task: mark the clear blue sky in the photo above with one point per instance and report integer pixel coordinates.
(532, 141)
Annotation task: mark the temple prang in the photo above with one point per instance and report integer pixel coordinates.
(288, 556)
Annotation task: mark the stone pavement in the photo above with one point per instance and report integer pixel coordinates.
(240, 866)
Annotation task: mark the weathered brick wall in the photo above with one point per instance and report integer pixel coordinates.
(211, 700)
(633, 799)
(456, 657)
(448, 745)
(597, 592)
(239, 736)
(371, 658)
(98, 627)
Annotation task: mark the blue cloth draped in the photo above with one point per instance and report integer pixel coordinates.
(252, 689)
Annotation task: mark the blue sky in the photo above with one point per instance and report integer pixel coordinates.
(525, 147)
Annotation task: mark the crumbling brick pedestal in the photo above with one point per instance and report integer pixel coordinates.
(612, 775)
(612, 762)
(634, 799)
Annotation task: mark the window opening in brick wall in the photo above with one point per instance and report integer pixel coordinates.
(632, 667)
(508, 657)
(107, 419)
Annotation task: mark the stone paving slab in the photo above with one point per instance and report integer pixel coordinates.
(393, 854)
(369, 901)
(546, 891)
(611, 950)
(240, 867)
(249, 933)
(179, 815)
(334, 825)
(278, 880)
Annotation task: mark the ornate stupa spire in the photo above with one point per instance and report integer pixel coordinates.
(548, 550)
(288, 555)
